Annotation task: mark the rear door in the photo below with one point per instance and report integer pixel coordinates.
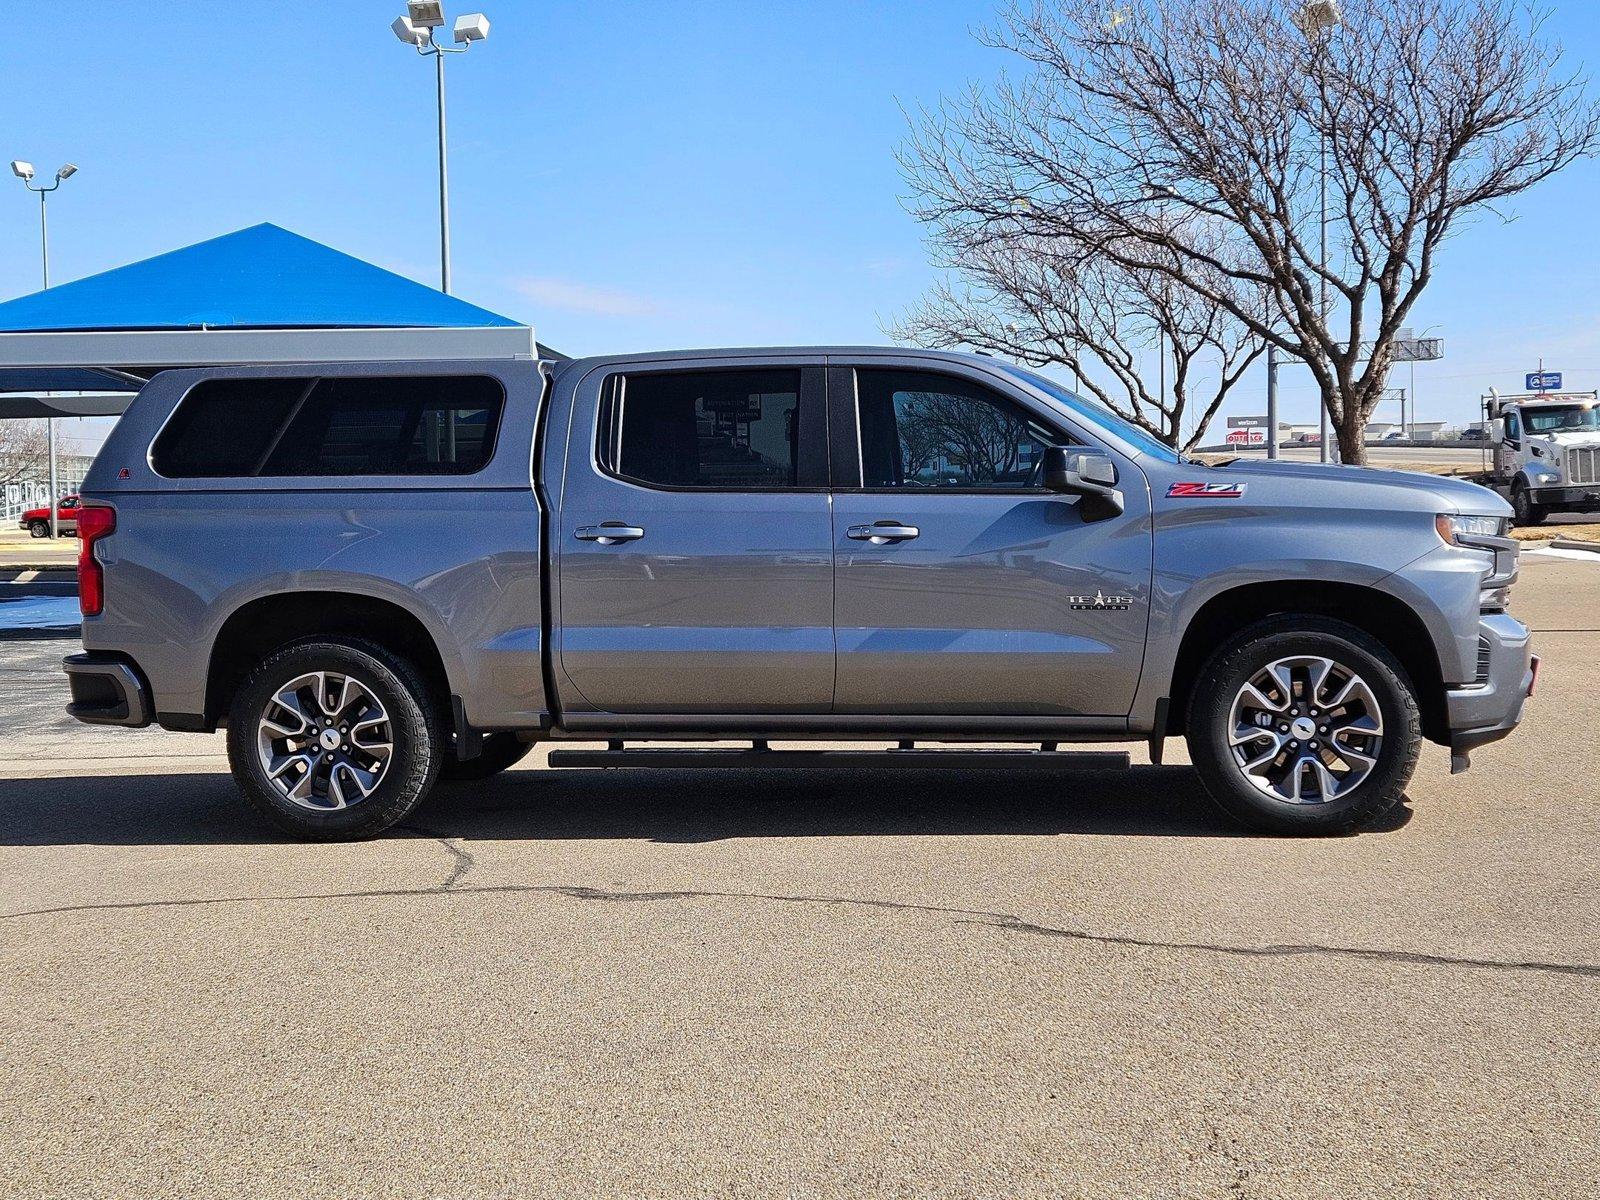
(962, 585)
(693, 539)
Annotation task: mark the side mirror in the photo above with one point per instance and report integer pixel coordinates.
(1086, 473)
(1497, 430)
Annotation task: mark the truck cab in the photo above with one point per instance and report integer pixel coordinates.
(1547, 453)
(376, 575)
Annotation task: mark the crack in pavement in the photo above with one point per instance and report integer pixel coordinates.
(1007, 922)
(461, 858)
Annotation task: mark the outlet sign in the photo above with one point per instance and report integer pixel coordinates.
(1543, 381)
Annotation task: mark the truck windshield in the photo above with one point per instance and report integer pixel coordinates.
(1096, 414)
(1567, 418)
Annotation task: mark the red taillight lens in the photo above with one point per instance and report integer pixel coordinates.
(94, 523)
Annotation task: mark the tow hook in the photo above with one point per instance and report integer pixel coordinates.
(1460, 760)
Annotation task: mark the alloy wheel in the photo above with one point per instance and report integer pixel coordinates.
(324, 741)
(1305, 730)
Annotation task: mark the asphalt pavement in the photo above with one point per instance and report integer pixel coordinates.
(803, 984)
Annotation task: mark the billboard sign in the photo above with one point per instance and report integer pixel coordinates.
(1543, 381)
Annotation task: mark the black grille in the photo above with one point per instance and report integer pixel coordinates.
(1483, 660)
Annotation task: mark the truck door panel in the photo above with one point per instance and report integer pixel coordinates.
(695, 558)
(985, 593)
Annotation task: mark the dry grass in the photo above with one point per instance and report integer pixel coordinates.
(1589, 532)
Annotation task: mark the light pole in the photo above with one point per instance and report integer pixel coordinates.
(1317, 19)
(416, 29)
(24, 171)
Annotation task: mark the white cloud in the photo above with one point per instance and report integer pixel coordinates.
(571, 296)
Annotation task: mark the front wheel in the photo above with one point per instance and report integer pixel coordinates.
(1523, 510)
(1303, 724)
(335, 739)
(39, 529)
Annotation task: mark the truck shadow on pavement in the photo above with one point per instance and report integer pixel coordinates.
(669, 806)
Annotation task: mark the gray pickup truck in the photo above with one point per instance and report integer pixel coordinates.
(376, 575)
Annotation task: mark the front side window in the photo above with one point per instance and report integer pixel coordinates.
(925, 430)
(728, 430)
(276, 428)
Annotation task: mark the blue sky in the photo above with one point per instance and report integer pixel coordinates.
(626, 175)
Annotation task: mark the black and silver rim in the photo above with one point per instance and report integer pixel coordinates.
(1305, 730)
(325, 741)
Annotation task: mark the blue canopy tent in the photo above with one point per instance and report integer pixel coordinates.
(258, 295)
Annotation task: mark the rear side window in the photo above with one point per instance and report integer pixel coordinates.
(413, 425)
(730, 430)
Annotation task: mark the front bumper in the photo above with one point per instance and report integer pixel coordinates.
(1583, 499)
(107, 691)
(1489, 708)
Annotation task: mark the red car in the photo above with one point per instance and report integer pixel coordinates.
(37, 520)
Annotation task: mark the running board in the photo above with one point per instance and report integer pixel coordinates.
(860, 760)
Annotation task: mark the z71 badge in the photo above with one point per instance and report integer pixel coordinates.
(1205, 491)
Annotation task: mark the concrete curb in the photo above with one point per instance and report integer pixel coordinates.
(1562, 543)
(31, 635)
(12, 570)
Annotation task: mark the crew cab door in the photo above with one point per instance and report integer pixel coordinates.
(963, 586)
(692, 540)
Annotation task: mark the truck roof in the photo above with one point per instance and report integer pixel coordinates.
(779, 352)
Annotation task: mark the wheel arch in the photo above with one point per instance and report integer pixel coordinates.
(1383, 617)
(259, 626)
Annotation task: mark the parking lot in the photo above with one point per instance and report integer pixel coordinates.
(821, 984)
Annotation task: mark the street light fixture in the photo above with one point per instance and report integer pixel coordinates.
(23, 170)
(416, 28)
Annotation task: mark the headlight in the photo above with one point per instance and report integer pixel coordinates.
(1453, 528)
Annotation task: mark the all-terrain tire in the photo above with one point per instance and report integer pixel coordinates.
(1252, 650)
(1523, 510)
(500, 751)
(414, 729)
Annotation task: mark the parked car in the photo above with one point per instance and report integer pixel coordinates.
(375, 575)
(1395, 435)
(1474, 435)
(37, 520)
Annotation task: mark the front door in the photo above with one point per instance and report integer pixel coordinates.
(694, 544)
(962, 585)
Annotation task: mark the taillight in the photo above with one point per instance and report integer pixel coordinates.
(94, 522)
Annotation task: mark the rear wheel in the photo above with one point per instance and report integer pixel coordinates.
(1304, 725)
(1524, 511)
(334, 740)
(39, 529)
(500, 751)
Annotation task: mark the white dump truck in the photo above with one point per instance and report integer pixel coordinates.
(1546, 452)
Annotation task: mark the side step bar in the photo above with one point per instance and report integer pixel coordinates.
(859, 760)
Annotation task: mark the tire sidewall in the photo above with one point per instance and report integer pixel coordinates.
(417, 743)
(39, 529)
(1238, 661)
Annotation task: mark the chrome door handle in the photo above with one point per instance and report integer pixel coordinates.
(609, 533)
(882, 532)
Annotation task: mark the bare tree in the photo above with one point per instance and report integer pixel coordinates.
(1020, 297)
(24, 452)
(1187, 140)
(980, 440)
